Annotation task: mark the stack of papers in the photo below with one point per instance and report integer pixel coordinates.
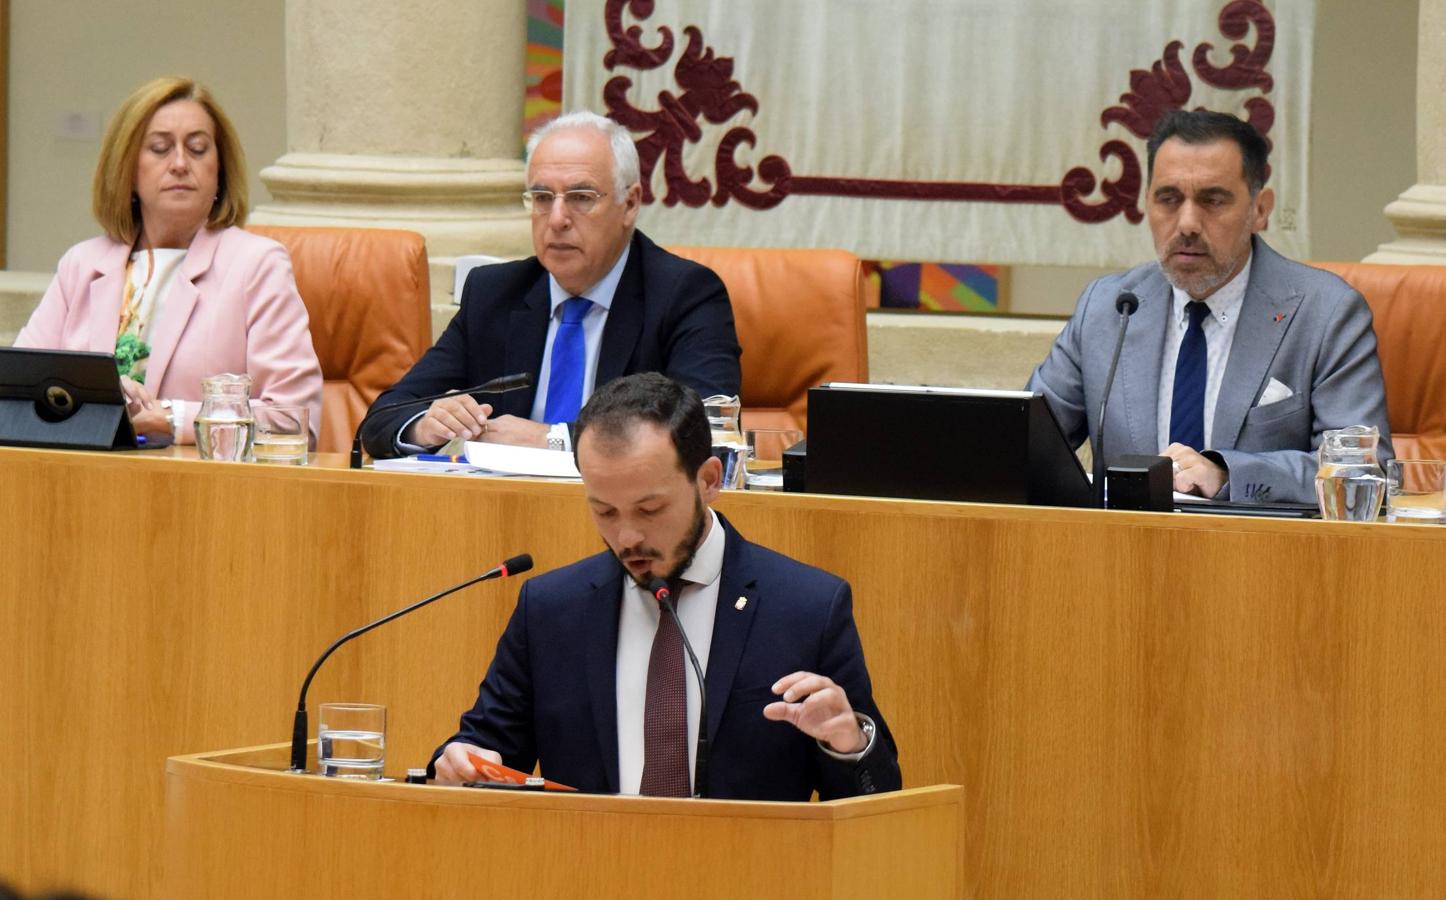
(491, 459)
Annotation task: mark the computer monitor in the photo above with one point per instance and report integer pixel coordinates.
(931, 443)
(66, 399)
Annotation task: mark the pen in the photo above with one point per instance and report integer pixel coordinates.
(437, 457)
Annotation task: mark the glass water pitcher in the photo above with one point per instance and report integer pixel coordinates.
(1349, 483)
(225, 423)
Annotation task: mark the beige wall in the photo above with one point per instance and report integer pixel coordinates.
(1363, 123)
(84, 56)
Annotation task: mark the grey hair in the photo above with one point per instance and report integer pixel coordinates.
(625, 154)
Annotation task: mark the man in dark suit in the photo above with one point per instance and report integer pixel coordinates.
(599, 300)
(1238, 359)
(589, 677)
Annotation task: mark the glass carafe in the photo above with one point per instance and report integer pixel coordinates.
(724, 414)
(225, 423)
(1349, 483)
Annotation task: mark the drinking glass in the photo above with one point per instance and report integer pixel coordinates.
(1416, 491)
(765, 456)
(351, 740)
(281, 435)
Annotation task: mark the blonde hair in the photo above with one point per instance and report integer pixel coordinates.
(113, 197)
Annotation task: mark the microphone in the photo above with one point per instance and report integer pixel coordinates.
(514, 566)
(499, 385)
(1125, 305)
(659, 589)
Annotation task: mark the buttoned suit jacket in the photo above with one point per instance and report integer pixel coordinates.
(1301, 326)
(549, 695)
(233, 307)
(668, 315)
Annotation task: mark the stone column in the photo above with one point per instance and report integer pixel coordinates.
(406, 115)
(1419, 214)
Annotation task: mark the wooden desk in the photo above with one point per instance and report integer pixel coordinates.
(1135, 704)
(238, 826)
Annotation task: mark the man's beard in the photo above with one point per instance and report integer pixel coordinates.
(688, 547)
(1202, 283)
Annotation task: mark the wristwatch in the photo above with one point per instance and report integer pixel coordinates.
(866, 725)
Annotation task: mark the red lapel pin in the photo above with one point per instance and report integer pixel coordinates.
(1279, 317)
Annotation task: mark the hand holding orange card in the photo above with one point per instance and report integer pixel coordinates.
(496, 772)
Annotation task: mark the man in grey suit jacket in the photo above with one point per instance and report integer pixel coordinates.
(1288, 351)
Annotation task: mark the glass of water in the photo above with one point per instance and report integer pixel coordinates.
(1416, 491)
(765, 456)
(351, 740)
(281, 435)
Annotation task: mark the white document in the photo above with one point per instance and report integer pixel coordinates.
(506, 459)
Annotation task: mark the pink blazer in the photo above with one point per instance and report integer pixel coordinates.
(232, 308)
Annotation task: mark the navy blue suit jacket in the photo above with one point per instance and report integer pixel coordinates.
(668, 315)
(550, 693)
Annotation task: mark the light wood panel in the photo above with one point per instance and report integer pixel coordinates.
(1135, 704)
(236, 831)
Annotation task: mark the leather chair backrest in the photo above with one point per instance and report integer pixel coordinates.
(1408, 304)
(367, 293)
(800, 321)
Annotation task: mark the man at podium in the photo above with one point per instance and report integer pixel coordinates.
(590, 680)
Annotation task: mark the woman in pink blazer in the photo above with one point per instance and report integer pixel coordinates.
(176, 289)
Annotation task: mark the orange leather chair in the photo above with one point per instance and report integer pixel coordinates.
(1408, 304)
(800, 321)
(367, 293)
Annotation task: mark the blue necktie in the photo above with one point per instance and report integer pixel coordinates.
(569, 362)
(1187, 404)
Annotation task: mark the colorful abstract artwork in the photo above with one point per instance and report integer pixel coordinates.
(941, 286)
(544, 63)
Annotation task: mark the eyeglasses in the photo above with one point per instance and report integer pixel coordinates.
(578, 202)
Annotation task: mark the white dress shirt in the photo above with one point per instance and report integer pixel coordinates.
(1219, 328)
(697, 602)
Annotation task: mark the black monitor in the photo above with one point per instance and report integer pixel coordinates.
(930, 443)
(65, 399)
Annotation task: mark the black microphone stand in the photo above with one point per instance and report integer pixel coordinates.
(514, 566)
(1125, 305)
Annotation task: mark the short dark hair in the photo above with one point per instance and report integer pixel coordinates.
(1203, 126)
(616, 407)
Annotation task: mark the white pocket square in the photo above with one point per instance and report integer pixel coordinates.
(1275, 392)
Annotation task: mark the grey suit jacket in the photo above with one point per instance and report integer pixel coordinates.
(1301, 326)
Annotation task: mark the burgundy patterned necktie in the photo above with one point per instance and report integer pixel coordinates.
(665, 712)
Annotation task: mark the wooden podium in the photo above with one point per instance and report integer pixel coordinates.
(238, 825)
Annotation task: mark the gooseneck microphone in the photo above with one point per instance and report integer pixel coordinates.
(496, 386)
(1125, 305)
(659, 589)
(514, 566)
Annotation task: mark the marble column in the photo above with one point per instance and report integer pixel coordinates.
(1419, 214)
(406, 115)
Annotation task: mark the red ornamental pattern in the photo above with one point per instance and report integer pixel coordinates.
(706, 89)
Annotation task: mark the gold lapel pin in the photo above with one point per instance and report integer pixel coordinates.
(740, 603)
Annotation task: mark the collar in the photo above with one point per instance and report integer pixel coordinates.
(600, 293)
(1224, 303)
(707, 563)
